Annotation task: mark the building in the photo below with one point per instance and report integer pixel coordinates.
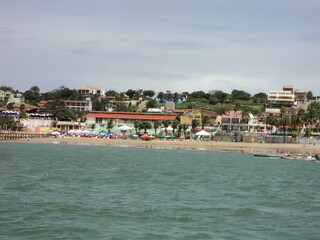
(79, 105)
(233, 122)
(277, 99)
(90, 91)
(197, 114)
(101, 118)
(85, 105)
(300, 96)
(288, 97)
(174, 97)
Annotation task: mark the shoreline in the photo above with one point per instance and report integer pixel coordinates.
(291, 148)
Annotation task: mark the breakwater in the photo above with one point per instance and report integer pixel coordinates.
(13, 135)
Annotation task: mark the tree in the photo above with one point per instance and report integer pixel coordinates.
(221, 96)
(160, 97)
(110, 124)
(240, 95)
(166, 125)
(148, 93)
(23, 113)
(31, 96)
(204, 121)
(10, 106)
(271, 121)
(199, 94)
(130, 93)
(309, 95)
(194, 124)
(6, 88)
(137, 125)
(35, 89)
(111, 93)
(175, 125)
(145, 125)
(156, 125)
(152, 103)
(184, 129)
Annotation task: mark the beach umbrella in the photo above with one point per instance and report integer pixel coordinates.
(72, 131)
(110, 133)
(203, 133)
(134, 135)
(145, 136)
(125, 135)
(124, 128)
(55, 133)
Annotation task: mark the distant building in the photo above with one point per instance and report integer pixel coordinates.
(85, 105)
(101, 118)
(79, 105)
(90, 91)
(9, 97)
(175, 97)
(197, 114)
(277, 99)
(288, 97)
(233, 122)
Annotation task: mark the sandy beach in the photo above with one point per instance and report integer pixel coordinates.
(308, 149)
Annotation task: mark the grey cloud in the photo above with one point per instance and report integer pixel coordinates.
(171, 44)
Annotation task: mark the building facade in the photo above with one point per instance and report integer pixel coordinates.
(90, 91)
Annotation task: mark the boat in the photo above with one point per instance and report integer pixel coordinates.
(266, 155)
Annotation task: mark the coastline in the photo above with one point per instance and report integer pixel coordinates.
(308, 149)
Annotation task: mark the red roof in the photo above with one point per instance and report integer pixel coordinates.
(133, 115)
(233, 114)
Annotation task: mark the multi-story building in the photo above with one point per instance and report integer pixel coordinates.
(90, 91)
(288, 97)
(79, 105)
(277, 99)
(85, 105)
(233, 122)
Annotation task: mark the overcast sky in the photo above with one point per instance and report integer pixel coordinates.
(178, 45)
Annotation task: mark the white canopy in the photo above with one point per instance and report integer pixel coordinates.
(56, 133)
(203, 133)
(124, 128)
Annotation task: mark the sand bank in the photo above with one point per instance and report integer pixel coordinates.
(191, 145)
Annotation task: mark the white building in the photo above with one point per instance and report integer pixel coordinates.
(90, 91)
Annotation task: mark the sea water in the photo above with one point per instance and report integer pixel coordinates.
(98, 192)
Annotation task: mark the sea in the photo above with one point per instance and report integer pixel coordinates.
(63, 191)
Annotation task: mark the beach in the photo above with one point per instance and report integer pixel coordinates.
(308, 149)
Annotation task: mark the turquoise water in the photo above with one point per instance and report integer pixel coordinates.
(99, 192)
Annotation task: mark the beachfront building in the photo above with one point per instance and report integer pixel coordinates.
(90, 91)
(197, 114)
(100, 119)
(234, 122)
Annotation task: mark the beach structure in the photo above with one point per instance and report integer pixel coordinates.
(234, 122)
(188, 115)
(101, 118)
(90, 91)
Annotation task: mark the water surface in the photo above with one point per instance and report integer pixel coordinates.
(99, 192)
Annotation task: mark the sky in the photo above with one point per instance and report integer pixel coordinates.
(177, 45)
